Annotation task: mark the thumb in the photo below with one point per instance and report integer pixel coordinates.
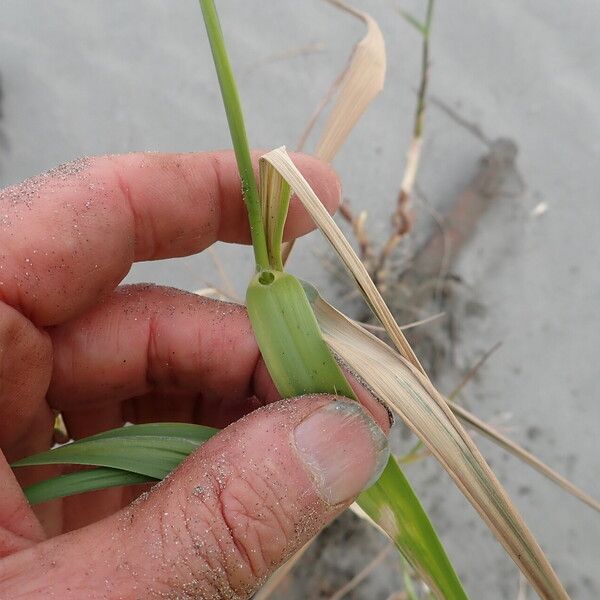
(227, 517)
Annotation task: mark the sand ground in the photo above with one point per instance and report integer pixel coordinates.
(93, 77)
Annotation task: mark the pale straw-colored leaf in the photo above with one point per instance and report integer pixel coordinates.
(410, 394)
(362, 80)
(354, 89)
(401, 382)
(497, 437)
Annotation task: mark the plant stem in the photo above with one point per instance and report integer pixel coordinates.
(402, 218)
(421, 95)
(237, 129)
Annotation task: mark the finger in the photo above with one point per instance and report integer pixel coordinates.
(148, 339)
(177, 355)
(19, 527)
(25, 370)
(227, 517)
(171, 406)
(70, 235)
(25, 417)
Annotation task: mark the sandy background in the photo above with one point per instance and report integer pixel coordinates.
(93, 77)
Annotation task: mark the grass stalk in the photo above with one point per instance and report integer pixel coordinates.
(402, 218)
(237, 129)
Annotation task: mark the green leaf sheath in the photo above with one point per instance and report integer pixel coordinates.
(300, 362)
(237, 129)
(289, 338)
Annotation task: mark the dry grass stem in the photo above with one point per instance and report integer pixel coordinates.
(228, 285)
(267, 590)
(473, 371)
(405, 327)
(362, 574)
(402, 218)
(505, 442)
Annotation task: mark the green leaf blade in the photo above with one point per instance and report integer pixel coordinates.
(123, 456)
(80, 482)
(153, 456)
(420, 27)
(393, 505)
(187, 431)
(237, 129)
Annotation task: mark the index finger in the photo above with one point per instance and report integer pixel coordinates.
(69, 236)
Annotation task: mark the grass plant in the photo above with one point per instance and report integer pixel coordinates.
(301, 337)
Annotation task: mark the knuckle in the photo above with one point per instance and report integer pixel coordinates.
(240, 529)
(259, 523)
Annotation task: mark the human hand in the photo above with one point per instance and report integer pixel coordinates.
(71, 340)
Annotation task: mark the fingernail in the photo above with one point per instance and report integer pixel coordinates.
(343, 449)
